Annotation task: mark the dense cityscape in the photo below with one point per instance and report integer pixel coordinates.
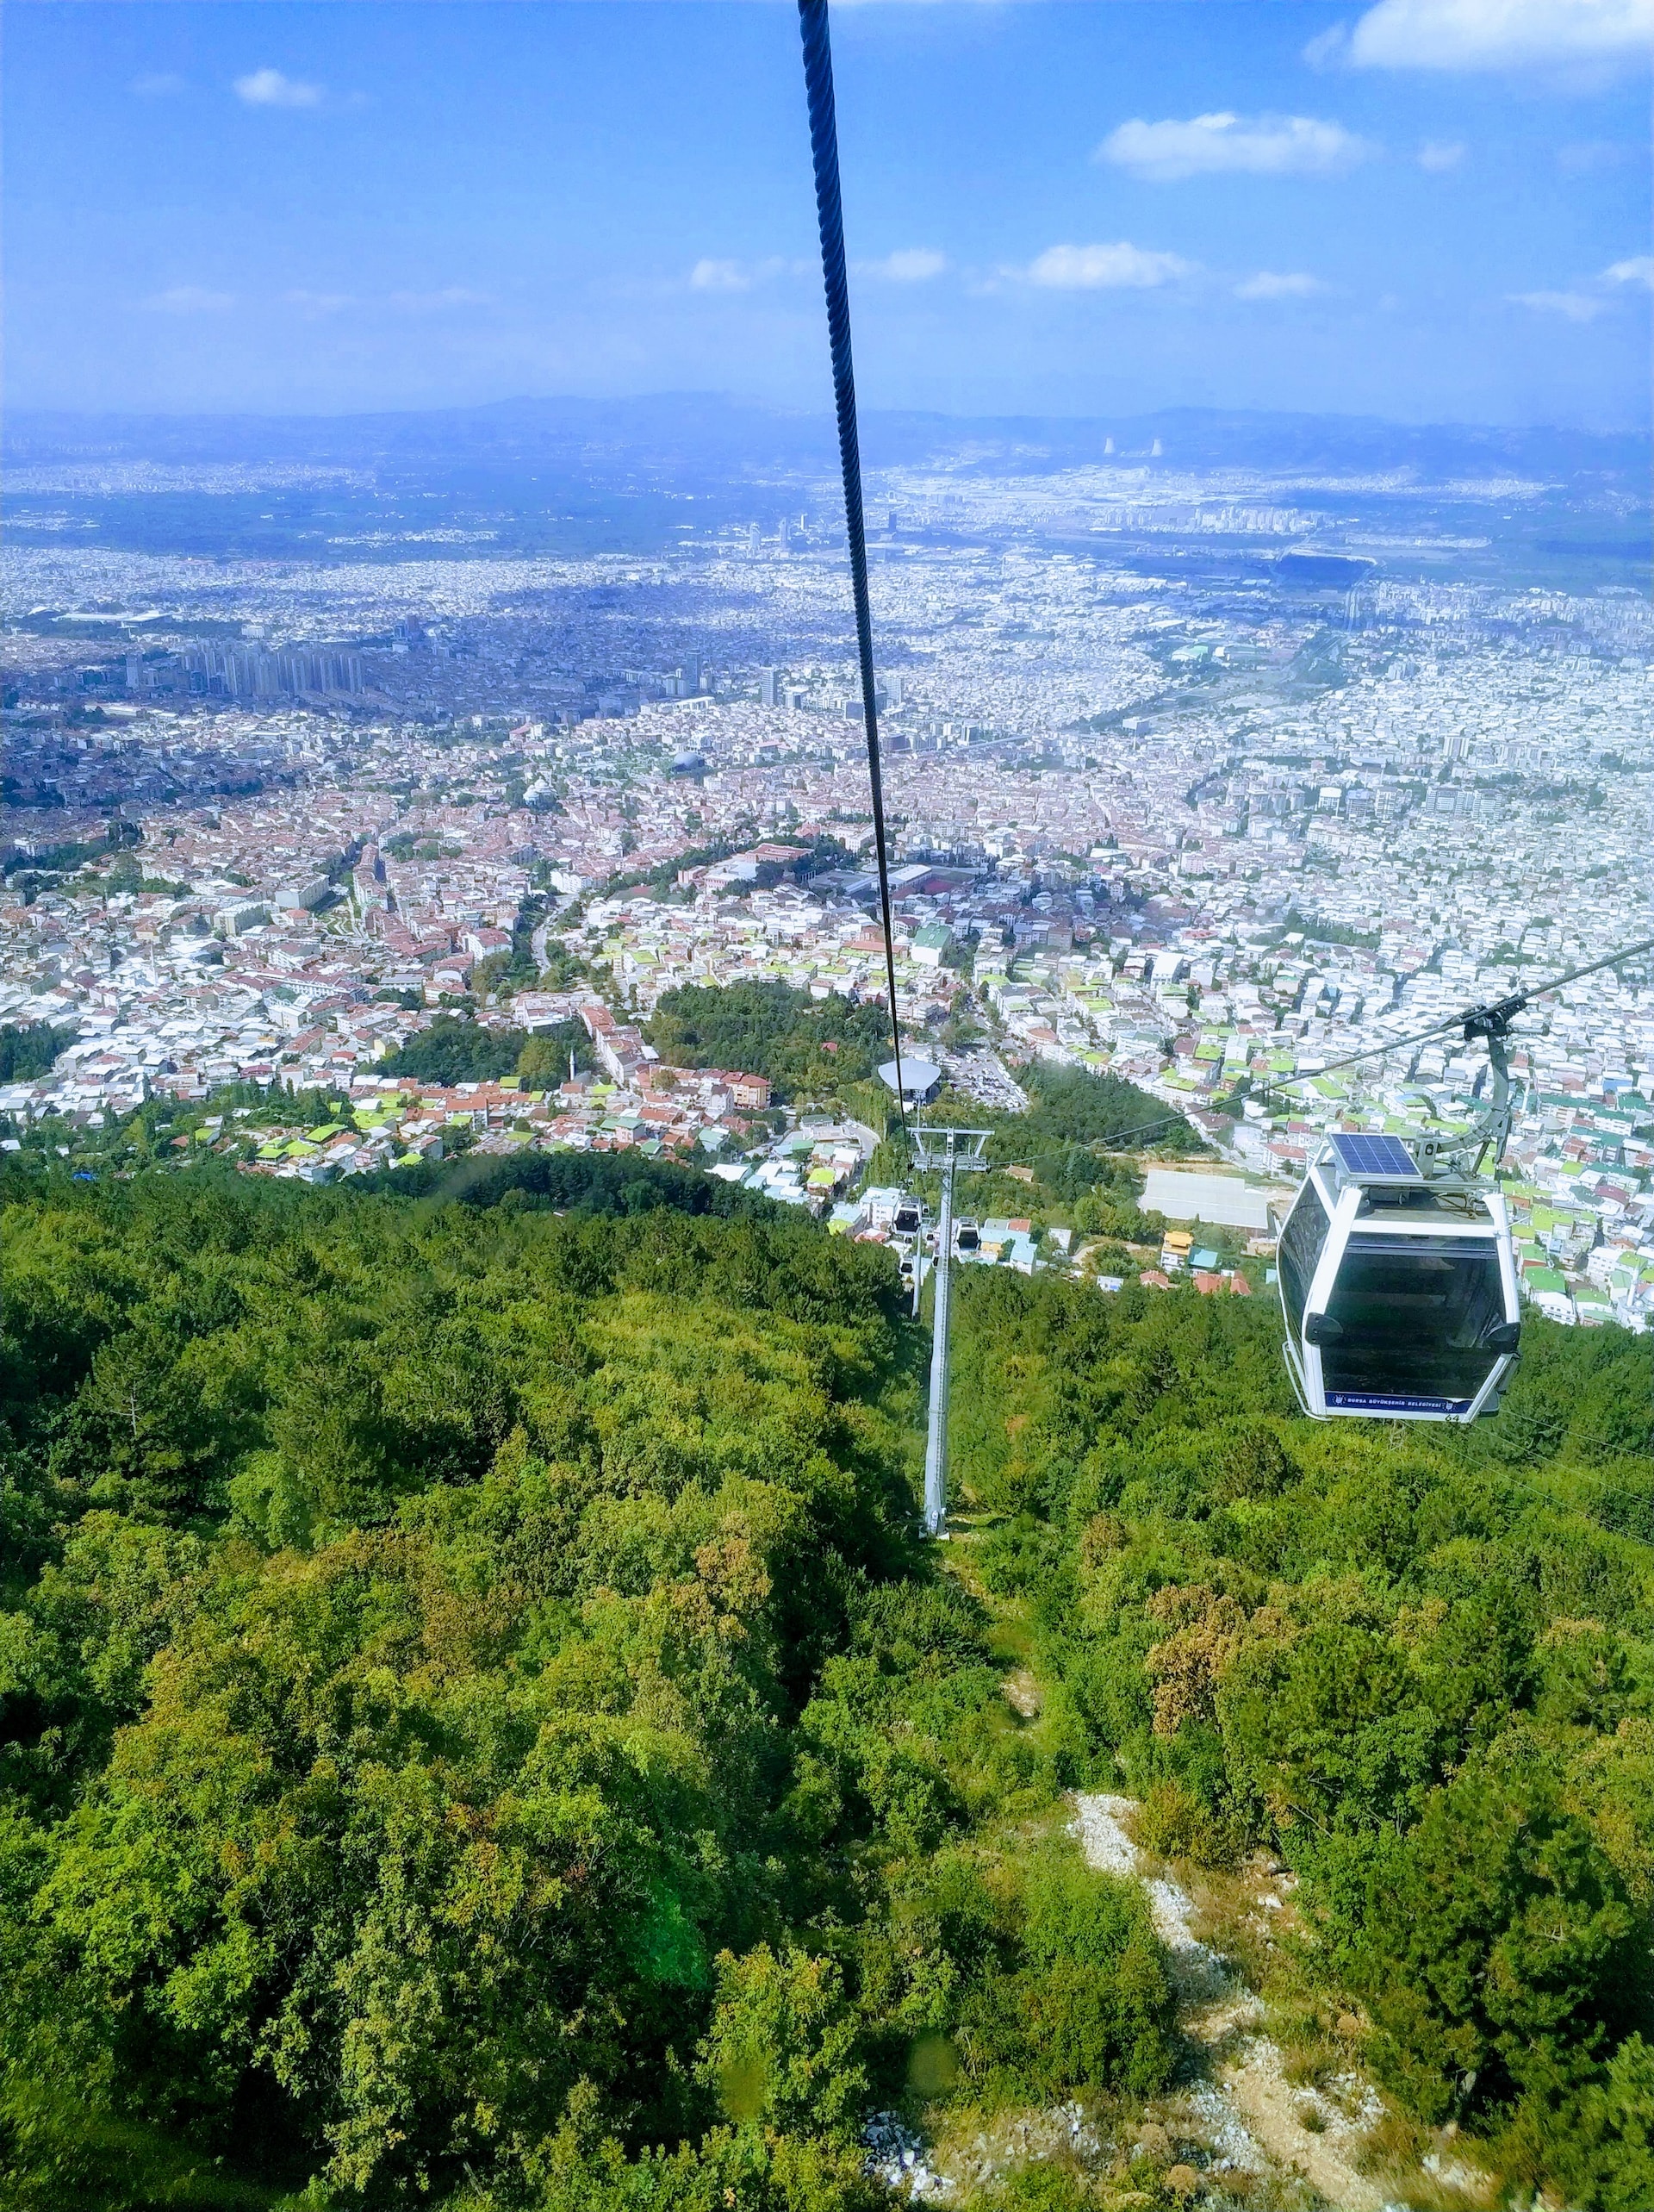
(268, 820)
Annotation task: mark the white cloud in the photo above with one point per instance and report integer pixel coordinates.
(269, 88)
(190, 299)
(910, 264)
(1101, 268)
(157, 85)
(438, 302)
(312, 304)
(1585, 156)
(710, 275)
(1438, 155)
(1577, 305)
(1268, 285)
(1492, 34)
(1224, 144)
(1574, 307)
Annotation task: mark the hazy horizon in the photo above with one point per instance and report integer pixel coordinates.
(752, 404)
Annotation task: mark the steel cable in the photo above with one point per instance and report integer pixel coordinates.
(824, 147)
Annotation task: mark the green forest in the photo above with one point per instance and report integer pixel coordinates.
(479, 1728)
(1417, 1663)
(805, 1046)
(28, 1049)
(455, 1049)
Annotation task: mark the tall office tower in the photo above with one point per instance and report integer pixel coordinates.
(785, 534)
(752, 538)
(690, 673)
(1108, 445)
(890, 522)
(770, 686)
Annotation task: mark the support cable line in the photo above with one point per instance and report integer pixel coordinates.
(824, 146)
(1486, 1021)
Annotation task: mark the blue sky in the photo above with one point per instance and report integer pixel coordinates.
(1428, 209)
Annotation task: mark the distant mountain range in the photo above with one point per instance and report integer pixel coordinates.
(683, 436)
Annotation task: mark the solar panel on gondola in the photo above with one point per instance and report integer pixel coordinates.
(1374, 1155)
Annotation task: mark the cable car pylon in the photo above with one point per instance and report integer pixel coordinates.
(951, 1152)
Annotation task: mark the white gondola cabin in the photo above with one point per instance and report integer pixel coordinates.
(1398, 1283)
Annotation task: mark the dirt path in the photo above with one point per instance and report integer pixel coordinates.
(1255, 2116)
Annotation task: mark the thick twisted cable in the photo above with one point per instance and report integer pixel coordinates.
(824, 147)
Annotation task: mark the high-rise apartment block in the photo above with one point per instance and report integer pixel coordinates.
(248, 672)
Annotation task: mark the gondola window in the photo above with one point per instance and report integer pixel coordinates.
(1432, 1302)
(1301, 1249)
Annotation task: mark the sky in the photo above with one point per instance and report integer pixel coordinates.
(1431, 211)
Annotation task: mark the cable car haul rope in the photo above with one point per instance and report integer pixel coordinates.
(824, 147)
(1488, 1022)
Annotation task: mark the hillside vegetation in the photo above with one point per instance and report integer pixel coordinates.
(476, 1710)
(1418, 1664)
(479, 1728)
(29, 1049)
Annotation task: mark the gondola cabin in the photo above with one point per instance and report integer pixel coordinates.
(1399, 1286)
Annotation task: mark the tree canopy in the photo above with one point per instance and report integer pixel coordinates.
(478, 1723)
(28, 1049)
(803, 1045)
(454, 1048)
(1418, 1664)
(1075, 1106)
(475, 1711)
